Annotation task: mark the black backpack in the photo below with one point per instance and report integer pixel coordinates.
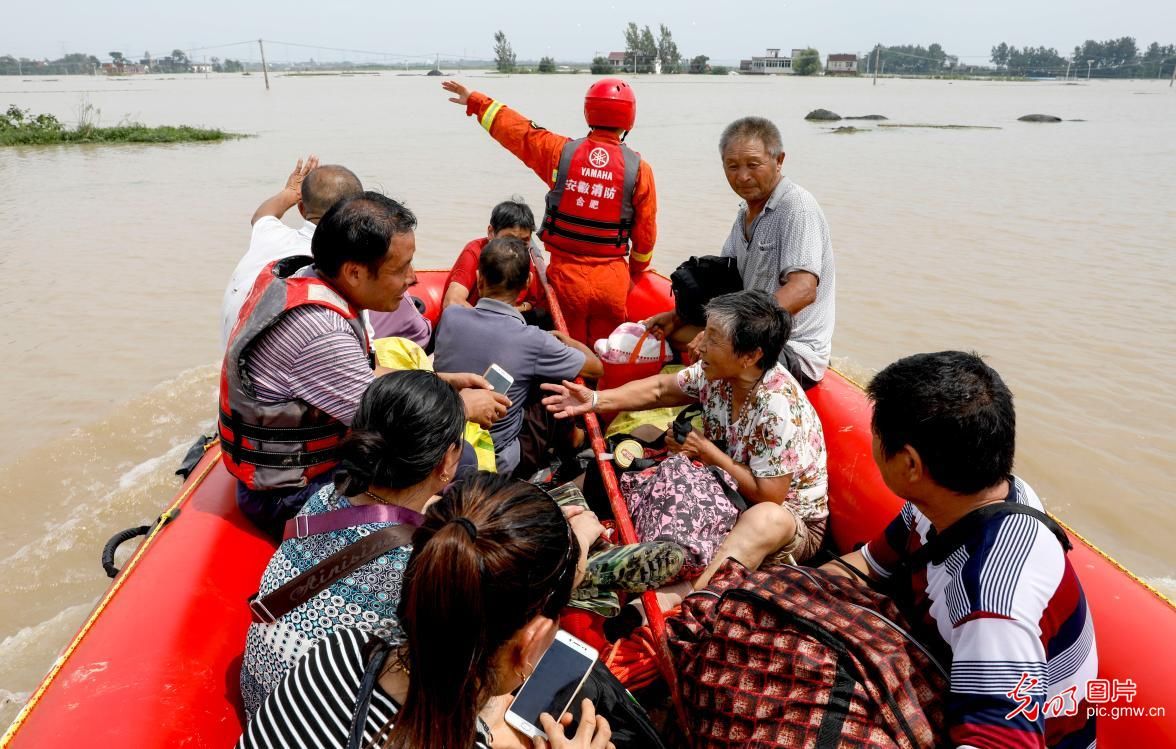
(701, 279)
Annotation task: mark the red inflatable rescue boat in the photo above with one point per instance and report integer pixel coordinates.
(157, 662)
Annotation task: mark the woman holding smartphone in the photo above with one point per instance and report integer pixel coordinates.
(493, 563)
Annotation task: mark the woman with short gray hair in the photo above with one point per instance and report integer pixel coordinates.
(758, 425)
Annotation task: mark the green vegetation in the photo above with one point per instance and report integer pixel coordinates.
(20, 128)
(504, 56)
(600, 66)
(643, 52)
(546, 64)
(808, 62)
(910, 59)
(1114, 58)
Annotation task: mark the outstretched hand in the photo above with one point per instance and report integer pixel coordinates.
(301, 169)
(567, 400)
(461, 94)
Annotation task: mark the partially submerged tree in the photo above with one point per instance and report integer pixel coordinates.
(807, 62)
(667, 51)
(504, 56)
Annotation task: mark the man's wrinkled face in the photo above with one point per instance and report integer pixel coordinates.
(751, 171)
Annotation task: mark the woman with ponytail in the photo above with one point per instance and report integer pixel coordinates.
(403, 448)
(492, 565)
(758, 424)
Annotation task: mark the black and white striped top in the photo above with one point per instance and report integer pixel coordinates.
(314, 704)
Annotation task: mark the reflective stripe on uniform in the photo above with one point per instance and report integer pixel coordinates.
(491, 112)
(641, 257)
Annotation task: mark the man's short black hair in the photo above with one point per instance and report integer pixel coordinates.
(359, 230)
(954, 410)
(504, 264)
(327, 185)
(510, 214)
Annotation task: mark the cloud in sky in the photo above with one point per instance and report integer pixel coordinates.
(723, 31)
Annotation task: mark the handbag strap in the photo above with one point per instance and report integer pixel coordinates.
(637, 349)
(268, 609)
(301, 526)
(367, 687)
(733, 496)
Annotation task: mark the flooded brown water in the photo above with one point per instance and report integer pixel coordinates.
(1049, 248)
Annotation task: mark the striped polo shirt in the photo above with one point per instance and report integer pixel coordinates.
(313, 355)
(1009, 609)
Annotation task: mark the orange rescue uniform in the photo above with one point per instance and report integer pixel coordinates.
(592, 289)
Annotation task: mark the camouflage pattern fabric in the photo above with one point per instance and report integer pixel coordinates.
(632, 568)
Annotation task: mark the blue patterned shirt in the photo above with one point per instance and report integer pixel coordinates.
(366, 600)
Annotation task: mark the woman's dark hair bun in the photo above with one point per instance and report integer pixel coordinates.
(360, 456)
(405, 424)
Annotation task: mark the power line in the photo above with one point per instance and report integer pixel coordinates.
(220, 46)
(366, 51)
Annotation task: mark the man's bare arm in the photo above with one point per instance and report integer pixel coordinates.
(854, 559)
(798, 291)
(456, 294)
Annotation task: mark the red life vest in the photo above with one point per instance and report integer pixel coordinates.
(277, 445)
(590, 205)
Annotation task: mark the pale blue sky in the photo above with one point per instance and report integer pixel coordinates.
(721, 30)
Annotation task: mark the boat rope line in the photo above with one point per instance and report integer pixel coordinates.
(653, 612)
(59, 664)
(1086, 541)
(1089, 544)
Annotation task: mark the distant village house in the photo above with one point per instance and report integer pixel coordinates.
(624, 61)
(840, 64)
(770, 64)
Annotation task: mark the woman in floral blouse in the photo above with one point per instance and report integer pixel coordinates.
(758, 425)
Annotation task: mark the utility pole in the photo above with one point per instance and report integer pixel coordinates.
(1088, 64)
(264, 69)
(1173, 77)
(877, 55)
(1068, 69)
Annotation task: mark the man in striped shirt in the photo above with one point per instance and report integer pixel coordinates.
(311, 354)
(1003, 605)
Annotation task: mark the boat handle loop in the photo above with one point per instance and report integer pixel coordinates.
(121, 537)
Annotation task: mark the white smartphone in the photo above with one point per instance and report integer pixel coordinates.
(558, 676)
(499, 379)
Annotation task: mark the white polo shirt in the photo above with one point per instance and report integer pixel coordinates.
(271, 240)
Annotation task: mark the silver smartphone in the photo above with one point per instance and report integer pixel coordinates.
(499, 379)
(560, 673)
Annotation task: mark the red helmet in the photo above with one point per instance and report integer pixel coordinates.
(610, 102)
